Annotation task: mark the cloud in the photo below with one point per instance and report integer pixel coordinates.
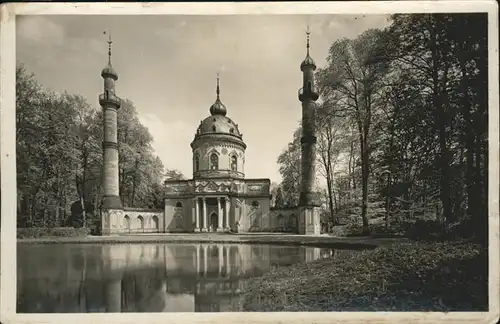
(40, 29)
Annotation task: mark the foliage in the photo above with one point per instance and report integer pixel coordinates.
(289, 167)
(59, 157)
(40, 232)
(407, 110)
(399, 277)
(173, 174)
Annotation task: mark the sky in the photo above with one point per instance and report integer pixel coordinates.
(167, 66)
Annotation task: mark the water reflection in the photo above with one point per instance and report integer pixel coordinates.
(146, 277)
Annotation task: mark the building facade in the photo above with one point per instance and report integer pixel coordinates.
(218, 198)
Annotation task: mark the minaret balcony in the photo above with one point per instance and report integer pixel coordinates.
(310, 94)
(109, 99)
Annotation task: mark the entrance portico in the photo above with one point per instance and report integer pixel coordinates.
(200, 213)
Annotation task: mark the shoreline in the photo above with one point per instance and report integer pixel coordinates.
(255, 238)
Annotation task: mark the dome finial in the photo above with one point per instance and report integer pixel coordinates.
(108, 71)
(218, 108)
(109, 45)
(308, 33)
(308, 61)
(218, 89)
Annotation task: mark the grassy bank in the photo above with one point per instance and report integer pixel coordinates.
(52, 232)
(399, 277)
(284, 239)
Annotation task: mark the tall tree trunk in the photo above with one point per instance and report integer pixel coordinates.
(364, 182)
(330, 195)
(441, 120)
(388, 201)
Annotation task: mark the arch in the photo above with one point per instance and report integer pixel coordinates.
(213, 221)
(255, 203)
(214, 128)
(127, 222)
(214, 161)
(234, 163)
(196, 162)
(140, 221)
(178, 204)
(281, 222)
(156, 223)
(309, 86)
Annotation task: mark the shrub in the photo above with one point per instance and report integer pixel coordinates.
(39, 232)
(425, 230)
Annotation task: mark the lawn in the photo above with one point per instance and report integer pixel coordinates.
(410, 276)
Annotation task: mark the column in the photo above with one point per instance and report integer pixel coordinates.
(205, 259)
(219, 216)
(221, 258)
(228, 263)
(205, 222)
(227, 212)
(196, 203)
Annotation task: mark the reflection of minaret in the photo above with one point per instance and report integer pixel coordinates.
(308, 202)
(110, 104)
(113, 295)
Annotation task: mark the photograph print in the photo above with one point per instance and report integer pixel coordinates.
(306, 162)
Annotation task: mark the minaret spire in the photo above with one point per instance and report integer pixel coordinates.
(218, 89)
(109, 47)
(108, 70)
(308, 33)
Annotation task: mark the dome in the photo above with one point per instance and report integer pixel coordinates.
(308, 61)
(218, 108)
(109, 71)
(218, 124)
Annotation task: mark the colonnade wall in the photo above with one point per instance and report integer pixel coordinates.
(137, 220)
(178, 216)
(256, 215)
(284, 220)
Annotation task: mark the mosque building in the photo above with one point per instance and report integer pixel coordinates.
(218, 198)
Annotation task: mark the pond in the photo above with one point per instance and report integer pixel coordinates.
(83, 278)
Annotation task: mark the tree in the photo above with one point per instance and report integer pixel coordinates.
(331, 130)
(278, 202)
(59, 156)
(174, 174)
(358, 78)
(290, 170)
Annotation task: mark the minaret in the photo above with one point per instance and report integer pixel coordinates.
(309, 221)
(110, 103)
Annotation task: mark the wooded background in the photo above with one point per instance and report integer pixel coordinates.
(402, 125)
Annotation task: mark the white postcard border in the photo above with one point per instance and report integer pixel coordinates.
(8, 161)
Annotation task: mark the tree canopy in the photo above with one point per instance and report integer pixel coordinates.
(402, 127)
(59, 157)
